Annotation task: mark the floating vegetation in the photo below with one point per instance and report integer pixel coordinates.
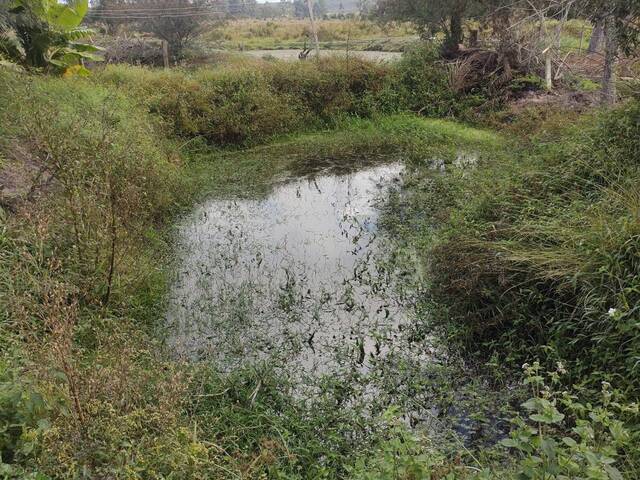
(297, 278)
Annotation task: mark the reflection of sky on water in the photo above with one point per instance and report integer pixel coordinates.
(292, 277)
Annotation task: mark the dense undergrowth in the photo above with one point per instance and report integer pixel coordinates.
(539, 247)
(531, 254)
(94, 170)
(244, 105)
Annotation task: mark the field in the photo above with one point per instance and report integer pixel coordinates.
(354, 34)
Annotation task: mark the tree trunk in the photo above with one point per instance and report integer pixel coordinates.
(451, 46)
(596, 36)
(507, 45)
(473, 38)
(609, 93)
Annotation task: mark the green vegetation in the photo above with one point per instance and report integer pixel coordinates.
(530, 254)
(245, 105)
(519, 245)
(536, 250)
(44, 34)
(360, 34)
(82, 296)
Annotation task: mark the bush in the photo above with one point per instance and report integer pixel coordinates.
(238, 106)
(242, 106)
(422, 80)
(73, 267)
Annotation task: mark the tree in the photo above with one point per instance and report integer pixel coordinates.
(596, 36)
(301, 9)
(167, 23)
(110, 13)
(621, 32)
(431, 16)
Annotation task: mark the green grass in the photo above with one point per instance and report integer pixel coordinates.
(101, 395)
(524, 247)
(537, 245)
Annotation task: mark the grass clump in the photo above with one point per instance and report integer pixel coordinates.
(536, 255)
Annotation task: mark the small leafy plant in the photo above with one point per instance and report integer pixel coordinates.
(562, 438)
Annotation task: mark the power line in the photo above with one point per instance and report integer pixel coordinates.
(154, 13)
(146, 7)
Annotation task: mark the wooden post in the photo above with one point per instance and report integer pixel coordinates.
(165, 53)
(348, 41)
(548, 73)
(313, 27)
(609, 93)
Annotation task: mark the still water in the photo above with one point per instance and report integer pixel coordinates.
(297, 278)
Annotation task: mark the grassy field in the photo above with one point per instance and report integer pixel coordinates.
(359, 34)
(290, 33)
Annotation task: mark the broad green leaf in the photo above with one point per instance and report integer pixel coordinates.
(67, 16)
(547, 417)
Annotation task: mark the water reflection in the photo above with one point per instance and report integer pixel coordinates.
(295, 277)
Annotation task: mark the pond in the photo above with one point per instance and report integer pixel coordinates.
(297, 278)
(305, 280)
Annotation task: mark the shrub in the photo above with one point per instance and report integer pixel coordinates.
(422, 79)
(244, 106)
(564, 438)
(109, 189)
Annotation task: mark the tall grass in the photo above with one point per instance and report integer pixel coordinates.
(538, 253)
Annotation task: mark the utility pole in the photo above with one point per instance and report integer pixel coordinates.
(313, 27)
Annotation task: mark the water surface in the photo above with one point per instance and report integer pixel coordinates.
(297, 278)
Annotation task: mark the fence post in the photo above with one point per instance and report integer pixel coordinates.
(548, 73)
(313, 27)
(165, 53)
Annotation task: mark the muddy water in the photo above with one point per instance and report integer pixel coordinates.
(296, 278)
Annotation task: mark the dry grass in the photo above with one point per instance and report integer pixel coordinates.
(292, 33)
